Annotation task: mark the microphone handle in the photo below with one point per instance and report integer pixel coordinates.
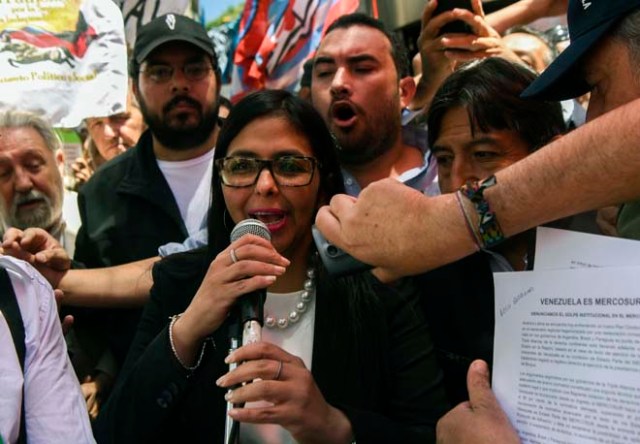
(252, 316)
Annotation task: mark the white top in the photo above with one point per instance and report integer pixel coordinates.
(190, 183)
(296, 339)
(55, 410)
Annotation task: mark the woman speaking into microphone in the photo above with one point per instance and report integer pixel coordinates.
(340, 360)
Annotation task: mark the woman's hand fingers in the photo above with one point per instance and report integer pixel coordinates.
(261, 350)
(261, 360)
(248, 264)
(252, 247)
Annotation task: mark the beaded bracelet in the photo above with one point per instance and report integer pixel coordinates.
(489, 231)
(173, 319)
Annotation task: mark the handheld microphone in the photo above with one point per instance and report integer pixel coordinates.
(336, 261)
(251, 305)
(249, 314)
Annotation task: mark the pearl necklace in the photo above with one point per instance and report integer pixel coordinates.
(309, 289)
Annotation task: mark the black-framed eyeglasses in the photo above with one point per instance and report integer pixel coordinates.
(163, 73)
(287, 171)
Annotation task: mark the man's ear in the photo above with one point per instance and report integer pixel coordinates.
(59, 156)
(407, 87)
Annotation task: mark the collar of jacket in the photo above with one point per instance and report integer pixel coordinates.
(144, 178)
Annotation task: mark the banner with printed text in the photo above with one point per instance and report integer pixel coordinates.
(275, 38)
(65, 59)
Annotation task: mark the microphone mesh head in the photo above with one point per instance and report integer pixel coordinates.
(250, 226)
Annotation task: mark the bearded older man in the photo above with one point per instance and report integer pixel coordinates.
(30, 182)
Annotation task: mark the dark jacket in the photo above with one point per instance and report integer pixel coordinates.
(374, 361)
(127, 210)
(458, 302)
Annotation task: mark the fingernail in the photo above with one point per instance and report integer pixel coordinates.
(270, 279)
(280, 270)
(220, 381)
(228, 396)
(233, 412)
(229, 359)
(480, 367)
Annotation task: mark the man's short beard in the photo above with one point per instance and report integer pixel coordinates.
(183, 138)
(362, 151)
(43, 216)
(382, 129)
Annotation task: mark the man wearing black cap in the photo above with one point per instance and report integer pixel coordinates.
(157, 192)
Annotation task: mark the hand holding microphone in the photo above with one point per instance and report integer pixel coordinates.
(257, 266)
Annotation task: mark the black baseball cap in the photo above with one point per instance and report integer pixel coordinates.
(170, 28)
(589, 21)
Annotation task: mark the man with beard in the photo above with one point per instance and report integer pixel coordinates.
(360, 85)
(30, 182)
(158, 191)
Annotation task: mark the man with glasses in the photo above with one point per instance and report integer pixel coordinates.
(158, 191)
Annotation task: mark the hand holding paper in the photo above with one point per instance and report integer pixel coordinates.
(481, 419)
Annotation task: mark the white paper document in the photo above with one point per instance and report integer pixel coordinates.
(556, 249)
(567, 354)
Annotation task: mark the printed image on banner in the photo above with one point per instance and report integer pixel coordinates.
(276, 37)
(139, 12)
(65, 59)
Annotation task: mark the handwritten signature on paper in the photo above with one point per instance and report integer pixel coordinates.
(514, 301)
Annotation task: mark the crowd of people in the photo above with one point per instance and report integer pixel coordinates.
(116, 328)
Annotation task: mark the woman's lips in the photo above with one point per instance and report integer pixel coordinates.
(274, 219)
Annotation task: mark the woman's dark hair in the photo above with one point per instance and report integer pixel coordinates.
(490, 92)
(300, 115)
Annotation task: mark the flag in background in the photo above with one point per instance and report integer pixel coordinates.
(275, 37)
(65, 59)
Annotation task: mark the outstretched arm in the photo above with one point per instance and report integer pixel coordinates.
(405, 232)
(124, 285)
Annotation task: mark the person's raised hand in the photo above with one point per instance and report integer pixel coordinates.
(483, 42)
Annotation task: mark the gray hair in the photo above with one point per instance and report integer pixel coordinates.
(12, 118)
(628, 32)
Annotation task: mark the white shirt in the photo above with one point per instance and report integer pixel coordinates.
(190, 183)
(55, 409)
